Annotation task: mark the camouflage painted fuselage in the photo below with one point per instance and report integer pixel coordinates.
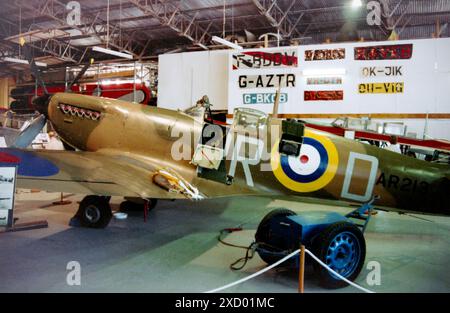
(328, 167)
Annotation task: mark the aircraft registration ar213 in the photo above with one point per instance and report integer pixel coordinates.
(130, 150)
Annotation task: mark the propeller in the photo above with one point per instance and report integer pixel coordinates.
(34, 69)
(79, 75)
(40, 103)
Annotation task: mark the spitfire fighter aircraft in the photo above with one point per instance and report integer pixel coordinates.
(142, 152)
(131, 150)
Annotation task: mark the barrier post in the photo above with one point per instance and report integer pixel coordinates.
(301, 270)
(145, 210)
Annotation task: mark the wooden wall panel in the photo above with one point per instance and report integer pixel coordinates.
(6, 84)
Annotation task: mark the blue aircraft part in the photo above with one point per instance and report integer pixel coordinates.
(26, 137)
(29, 164)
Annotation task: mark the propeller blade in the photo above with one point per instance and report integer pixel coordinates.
(77, 78)
(27, 136)
(34, 70)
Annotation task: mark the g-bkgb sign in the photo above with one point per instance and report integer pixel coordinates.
(263, 98)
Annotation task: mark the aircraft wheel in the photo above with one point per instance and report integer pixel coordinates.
(266, 238)
(137, 205)
(342, 247)
(95, 212)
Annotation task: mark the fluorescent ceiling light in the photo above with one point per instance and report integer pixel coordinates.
(113, 52)
(226, 43)
(324, 72)
(356, 3)
(14, 60)
(120, 81)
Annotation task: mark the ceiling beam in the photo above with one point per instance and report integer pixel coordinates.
(169, 14)
(278, 17)
(92, 24)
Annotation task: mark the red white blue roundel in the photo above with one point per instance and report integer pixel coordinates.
(312, 169)
(310, 165)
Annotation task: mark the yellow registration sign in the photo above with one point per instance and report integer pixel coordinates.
(381, 88)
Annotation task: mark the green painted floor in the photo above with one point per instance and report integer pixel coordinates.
(177, 249)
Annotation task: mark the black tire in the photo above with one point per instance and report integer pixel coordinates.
(346, 237)
(133, 206)
(94, 212)
(264, 236)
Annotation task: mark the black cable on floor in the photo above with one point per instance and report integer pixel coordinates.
(229, 231)
(249, 254)
(249, 251)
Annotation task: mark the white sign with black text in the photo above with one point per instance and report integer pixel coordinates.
(7, 189)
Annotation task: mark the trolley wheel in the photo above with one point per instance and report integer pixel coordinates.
(342, 247)
(265, 236)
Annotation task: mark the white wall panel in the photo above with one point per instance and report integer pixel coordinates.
(171, 82)
(184, 78)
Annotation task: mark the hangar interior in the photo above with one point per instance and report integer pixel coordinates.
(364, 71)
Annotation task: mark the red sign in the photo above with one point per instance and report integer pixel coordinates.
(324, 95)
(389, 52)
(325, 54)
(260, 59)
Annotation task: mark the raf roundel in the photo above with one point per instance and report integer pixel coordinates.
(312, 170)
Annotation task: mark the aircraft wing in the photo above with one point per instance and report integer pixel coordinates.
(108, 173)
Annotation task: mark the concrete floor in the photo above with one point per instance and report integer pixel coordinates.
(177, 249)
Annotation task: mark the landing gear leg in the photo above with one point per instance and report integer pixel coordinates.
(145, 210)
(138, 205)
